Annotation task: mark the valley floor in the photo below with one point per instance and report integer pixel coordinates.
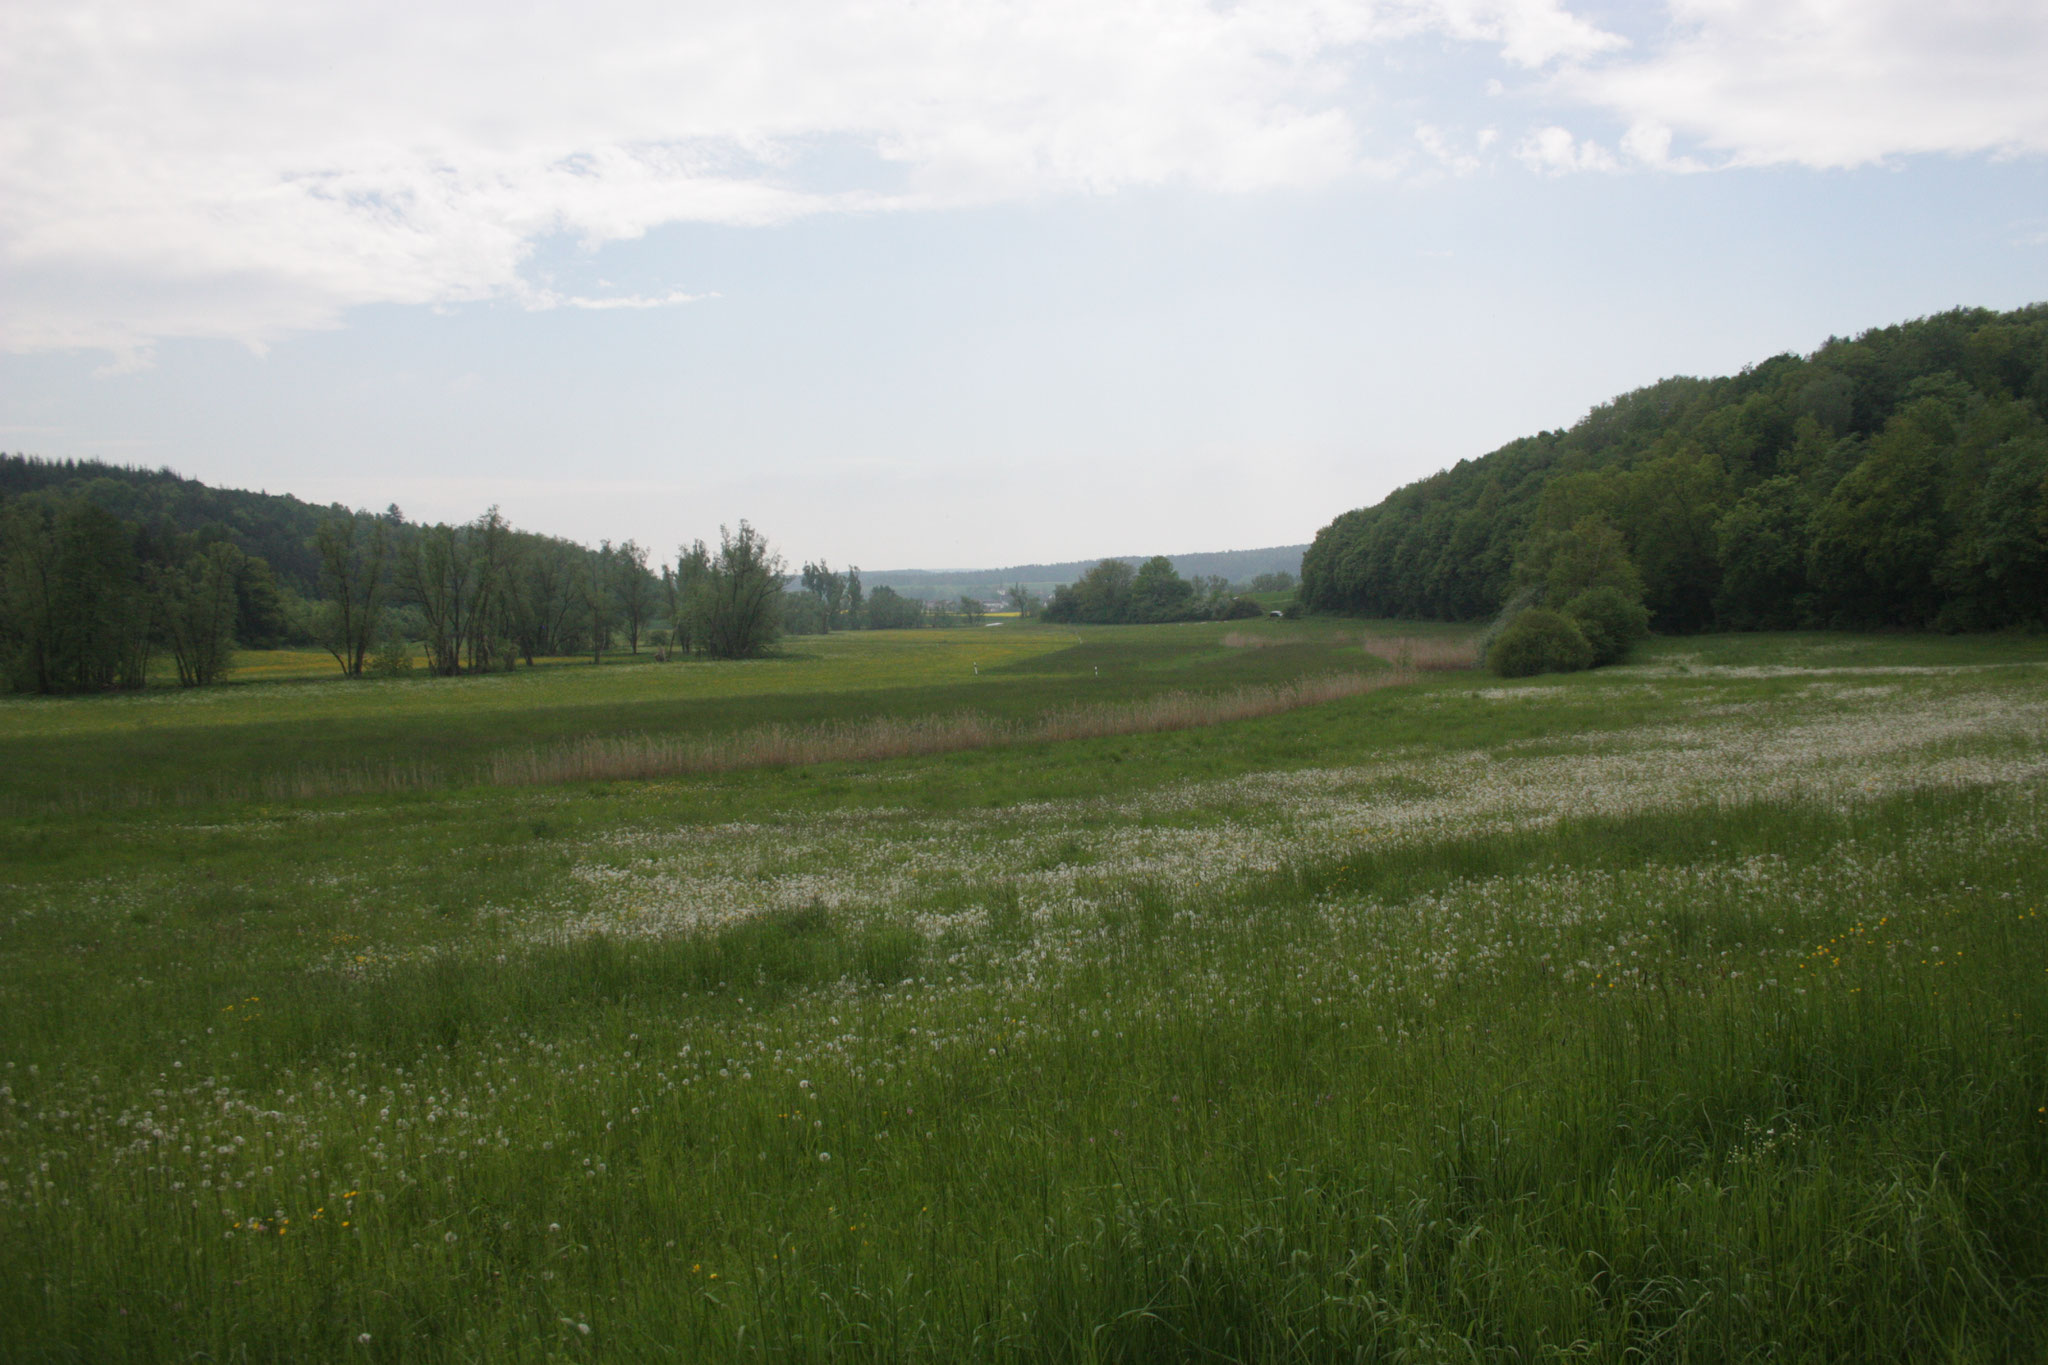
(1690, 1009)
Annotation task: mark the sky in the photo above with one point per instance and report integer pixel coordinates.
(943, 284)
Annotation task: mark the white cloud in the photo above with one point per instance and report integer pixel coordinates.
(541, 300)
(1530, 35)
(1445, 149)
(244, 169)
(1834, 83)
(1554, 151)
(1649, 145)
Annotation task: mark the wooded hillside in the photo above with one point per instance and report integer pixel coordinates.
(276, 527)
(1896, 479)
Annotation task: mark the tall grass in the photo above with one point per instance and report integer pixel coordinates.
(331, 738)
(1409, 653)
(1423, 654)
(1777, 1102)
(632, 756)
(628, 757)
(1134, 1076)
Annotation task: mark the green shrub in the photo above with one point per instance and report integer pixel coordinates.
(1242, 608)
(1611, 621)
(1539, 641)
(392, 659)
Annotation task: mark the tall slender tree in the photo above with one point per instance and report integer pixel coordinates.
(692, 577)
(434, 573)
(600, 601)
(197, 609)
(352, 551)
(635, 590)
(856, 607)
(828, 587)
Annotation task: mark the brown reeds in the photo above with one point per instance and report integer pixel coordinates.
(306, 782)
(1244, 639)
(1411, 653)
(600, 758)
(1423, 655)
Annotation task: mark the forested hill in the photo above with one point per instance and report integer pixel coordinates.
(275, 526)
(1900, 478)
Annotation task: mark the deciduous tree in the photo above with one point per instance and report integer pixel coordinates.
(742, 613)
(352, 552)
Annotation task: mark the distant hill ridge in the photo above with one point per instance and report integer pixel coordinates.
(1236, 565)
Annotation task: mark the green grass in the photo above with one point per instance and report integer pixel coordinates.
(183, 745)
(1691, 1010)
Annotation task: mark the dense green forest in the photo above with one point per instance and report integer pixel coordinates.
(1897, 479)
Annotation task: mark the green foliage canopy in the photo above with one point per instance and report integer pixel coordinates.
(1896, 479)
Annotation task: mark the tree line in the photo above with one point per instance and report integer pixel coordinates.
(88, 599)
(1115, 593)
(1898, 479)
(829, 600)
(485, 596)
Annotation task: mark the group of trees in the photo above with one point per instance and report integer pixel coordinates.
(484, 596)
(888, 609)
(1115, 593)
(1897, 479)
(827, 600)
(88, 599)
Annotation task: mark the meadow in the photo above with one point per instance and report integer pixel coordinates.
(1694, 1009)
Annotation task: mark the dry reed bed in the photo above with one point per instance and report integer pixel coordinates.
(1414, 654)
(1409, 653)
(603, 758)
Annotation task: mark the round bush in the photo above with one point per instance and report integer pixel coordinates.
(1611, 621)
(1539, 641)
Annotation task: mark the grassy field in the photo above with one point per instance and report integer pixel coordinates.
(1690, 1010)
(172, 744)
